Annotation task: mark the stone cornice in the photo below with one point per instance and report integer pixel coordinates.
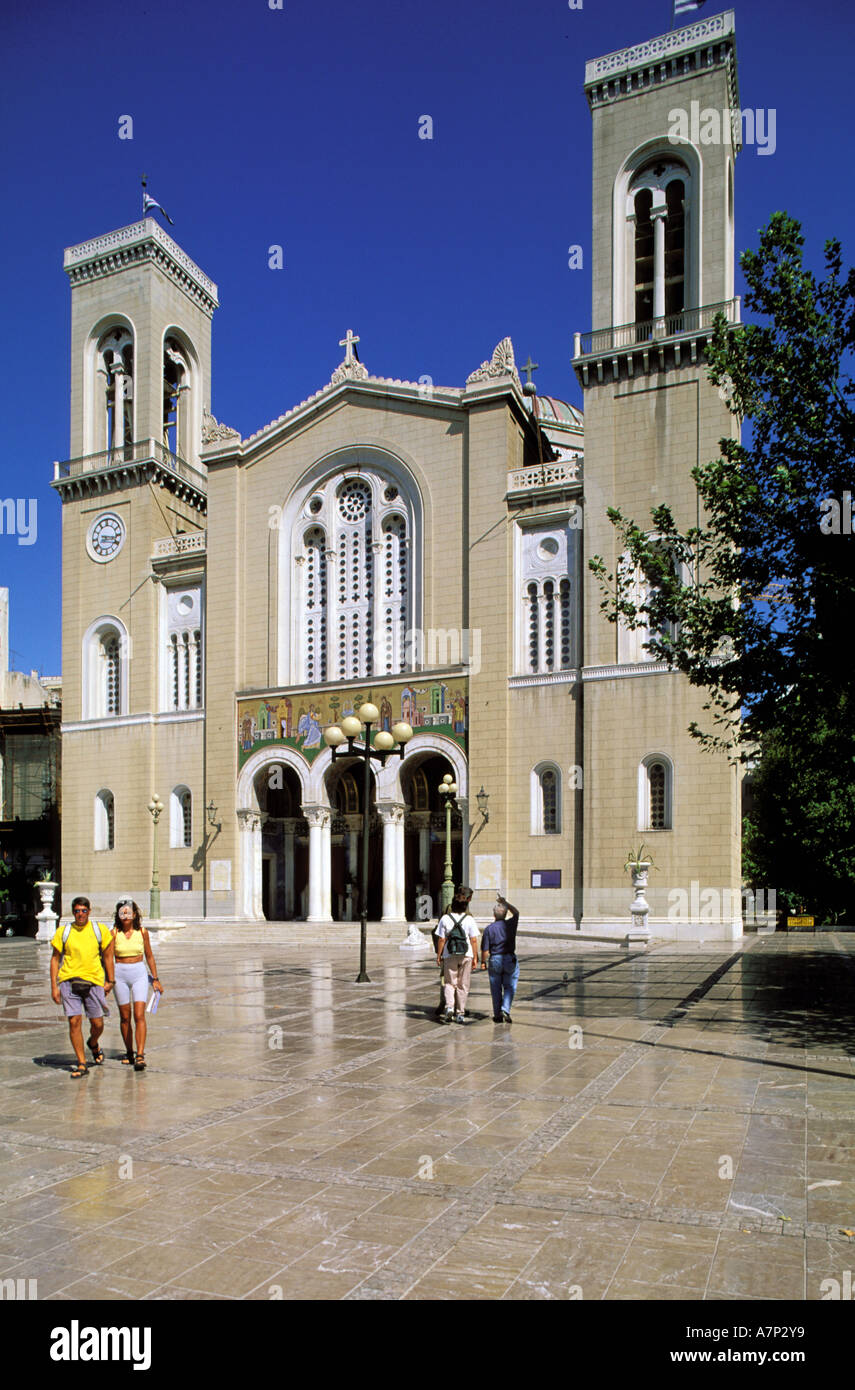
(665, 58)
(125, 721)
(626, 670)
(141, 242)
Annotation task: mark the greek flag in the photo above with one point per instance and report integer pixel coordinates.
(686, 6)
(150, 203)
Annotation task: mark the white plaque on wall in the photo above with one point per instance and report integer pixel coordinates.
(221, 876)
(488, 871)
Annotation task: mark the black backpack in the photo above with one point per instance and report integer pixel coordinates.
(457, 942)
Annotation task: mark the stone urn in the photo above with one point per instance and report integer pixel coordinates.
(47, 918)
(639, 908)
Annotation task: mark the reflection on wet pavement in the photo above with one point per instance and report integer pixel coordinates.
(678, 1123)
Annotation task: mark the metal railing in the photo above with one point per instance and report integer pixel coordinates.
(141, 451)
(655, 331)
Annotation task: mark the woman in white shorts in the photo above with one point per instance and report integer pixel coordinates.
(134, 964)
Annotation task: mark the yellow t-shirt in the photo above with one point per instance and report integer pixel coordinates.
(82, 958)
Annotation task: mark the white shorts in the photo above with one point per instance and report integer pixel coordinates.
(131, 982)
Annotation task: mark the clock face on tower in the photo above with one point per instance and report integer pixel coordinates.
(106, 536)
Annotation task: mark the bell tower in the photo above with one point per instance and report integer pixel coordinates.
(666, 131)
(134, 497)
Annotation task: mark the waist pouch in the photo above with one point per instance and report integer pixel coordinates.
(80, 987)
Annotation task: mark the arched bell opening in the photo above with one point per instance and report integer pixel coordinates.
(284, 844)
(424, 832)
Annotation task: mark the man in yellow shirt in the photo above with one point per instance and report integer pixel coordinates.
(81, 971)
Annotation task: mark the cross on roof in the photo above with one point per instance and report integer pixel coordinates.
(347, 342)
(530, 367)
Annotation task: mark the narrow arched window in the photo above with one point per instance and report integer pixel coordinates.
(546, 799)
(181, 818)
(105, 821)
(655, 793)
(549, 787)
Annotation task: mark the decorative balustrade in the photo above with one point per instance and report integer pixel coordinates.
(655, 332)
(180, 545)
(544, 477)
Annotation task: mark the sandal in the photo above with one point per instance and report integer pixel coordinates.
(128, 1059)
(79, 1069)
(97, 1054)
(139, 1062)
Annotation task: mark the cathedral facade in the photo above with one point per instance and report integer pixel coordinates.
(226, 599)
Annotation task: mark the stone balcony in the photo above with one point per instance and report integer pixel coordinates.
(627, 348)
(545, 481)
(113, 469)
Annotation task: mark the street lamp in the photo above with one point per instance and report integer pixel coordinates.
(448, 790)
(352, 728)
(155, 806)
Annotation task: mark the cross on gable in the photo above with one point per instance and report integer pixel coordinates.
(530, 367)
(347, 342)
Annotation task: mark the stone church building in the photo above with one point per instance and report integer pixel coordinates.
(425, 547)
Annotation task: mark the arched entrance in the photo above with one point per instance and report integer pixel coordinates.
(284, 844)
(424, 830)
(344, 784)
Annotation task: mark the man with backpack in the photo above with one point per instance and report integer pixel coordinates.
(81, 971)
(457, 949)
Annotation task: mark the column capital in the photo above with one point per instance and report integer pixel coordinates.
(317, 815)
(391, 812)
(250, 820)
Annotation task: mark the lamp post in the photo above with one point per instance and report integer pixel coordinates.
(447, 789)
(155, 806)
(353, 727)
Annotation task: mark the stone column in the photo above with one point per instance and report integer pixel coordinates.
(657, 217)
(318, 818)
(392, 816)
(249, 856)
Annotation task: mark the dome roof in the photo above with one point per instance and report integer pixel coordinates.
(552, 411)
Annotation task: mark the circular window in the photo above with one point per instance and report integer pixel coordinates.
(186, 603)
(354, 500)
(390, 493)
(106, 537)
(315, 505)
(548, 548)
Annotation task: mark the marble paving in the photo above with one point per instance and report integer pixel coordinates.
(670, 1124)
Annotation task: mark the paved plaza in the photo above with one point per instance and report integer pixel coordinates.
(670, 1124)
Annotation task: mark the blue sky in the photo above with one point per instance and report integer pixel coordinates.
(299, 127)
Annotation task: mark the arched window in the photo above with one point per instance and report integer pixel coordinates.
(545, 616)
(352, 580)
(633, 641)
(105, 669)
(655, 793)
(181, 818)
(184, 657)
(546, 799)
(105, 821)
